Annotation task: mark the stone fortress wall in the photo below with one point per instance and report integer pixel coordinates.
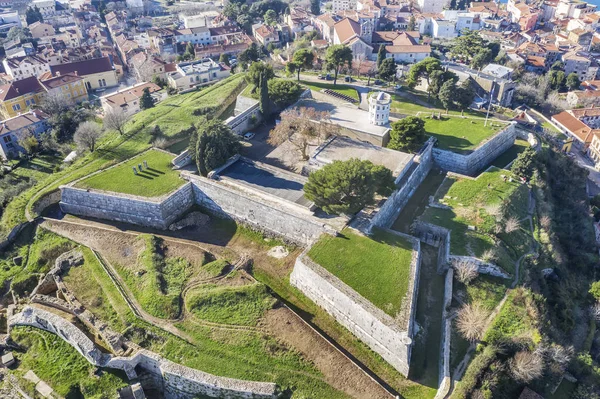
(389, 337)
(176, 381)
(479, 158)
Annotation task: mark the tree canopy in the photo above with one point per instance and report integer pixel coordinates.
(212, 145)
(345, 187)
(423, 69)
(256, 70)
(33, 15)
(337, 57)
(524, 164)
(387, 69)
(315, 7)
(303, 59)
(146, 101)
(572, 81)
(407, 134)
(283, 92)
(381, 54)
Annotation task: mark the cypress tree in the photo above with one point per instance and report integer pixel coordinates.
(265, 106)
(381, 55)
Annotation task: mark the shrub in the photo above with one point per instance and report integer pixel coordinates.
(466, 271)
(595, 290)
(471, 321)
(526, 366)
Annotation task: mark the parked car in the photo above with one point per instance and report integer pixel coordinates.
(398, 87)
(378, 82)
(319, 76)
(328, 77)
(348, 79)
(248, 136)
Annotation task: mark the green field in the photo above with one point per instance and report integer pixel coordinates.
(377, 267)
(339, 88)
(158, 179)
(481, 203)
(62, 367)
(241, 305)
(174, 116)
(461, 134)
(511, 154)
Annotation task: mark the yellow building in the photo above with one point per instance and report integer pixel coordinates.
(18, 97)
(97, 73)
(70, 86)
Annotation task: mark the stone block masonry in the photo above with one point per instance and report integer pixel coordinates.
(479, 158)
(389, 337)
(157, 212)
(177, 381)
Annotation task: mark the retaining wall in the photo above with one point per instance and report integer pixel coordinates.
(387, 336)
(157, 212)
(271, 217)
(178, 382)
(387, 214)
(469, 164)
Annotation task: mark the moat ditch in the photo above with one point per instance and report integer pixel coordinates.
(424, 367)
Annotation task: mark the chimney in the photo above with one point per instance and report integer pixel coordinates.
(76, 73)
(57, 73)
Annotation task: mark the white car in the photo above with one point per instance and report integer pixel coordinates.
(248, 136)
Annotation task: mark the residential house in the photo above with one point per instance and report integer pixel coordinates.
(232, 46)
(188, 75)
(147, 66)
(9, 20)
(588, 95)
(594, 152)
(24, 67)
(17, 97)
(485, 84)
(325, 25)
(580, 124)
(97, 73)
(432, 6)
(265, 35)
(200, 35)
(47, 7)
(13, 129)
(40, 29)
(128, 99)
(204, 19)
(341, 5)
(405, 48)
(580, 64)
(70, 86)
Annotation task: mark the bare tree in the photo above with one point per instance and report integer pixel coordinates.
(115, 119)
(511, 224)
(559, 354)
(546, 221)
(87, 135)
(301, 127)
(527, 366)
(489, 255)
(595, 309)
(466, 271)
(471, 321)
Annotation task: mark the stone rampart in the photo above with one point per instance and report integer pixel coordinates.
(178, 382)
(385, 215)
(157, 212)
(479, 158)
(483, 267)
(441, 236)
(389, 337)
(262, 213)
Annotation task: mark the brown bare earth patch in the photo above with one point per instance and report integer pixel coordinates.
(337, 370)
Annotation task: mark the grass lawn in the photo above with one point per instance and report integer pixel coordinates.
(511, 154)
(517, 318)
(241, 305)
(377, 267)
(157, 180)
(174, 116)
(476, 203)
(38, 168)
(461, 134)
(61, 366)
(338, 88)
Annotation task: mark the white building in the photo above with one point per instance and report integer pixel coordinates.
(193, 35)
(379, 108)
(9, 20)
(46, 7)
(23, 67)
(341, 5)
(202, 19)
(432, 6)
(197, 73)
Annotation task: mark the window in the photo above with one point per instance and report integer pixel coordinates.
(7, 139)
(192, 79)
(214, 74)
(30, 102)
(16, 107)
(103, 82)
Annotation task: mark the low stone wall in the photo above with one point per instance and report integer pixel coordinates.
(260, 213)
(45, 201)
(178, 382)
(442, 238)
(157, 212)
(445, 380)
(482, 266)
(387, 214)
(12, 234)
(389, 337)
(469, 164)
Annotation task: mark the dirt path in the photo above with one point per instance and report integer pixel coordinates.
(341, 373)
(337, 369)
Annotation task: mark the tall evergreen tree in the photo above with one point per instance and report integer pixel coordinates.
(265, 102)
(381, 55)
(146, 101)
(315, 7)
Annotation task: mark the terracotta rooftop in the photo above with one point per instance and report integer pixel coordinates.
(21, 121)
(61, 80)
(346, 29)
(20, 87)
(82, 68)
(122, 97)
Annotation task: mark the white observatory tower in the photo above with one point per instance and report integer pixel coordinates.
(379, 108)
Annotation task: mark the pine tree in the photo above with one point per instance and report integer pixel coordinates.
(381, 55)
(265, 102)
(146, 100)
(315, 7)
